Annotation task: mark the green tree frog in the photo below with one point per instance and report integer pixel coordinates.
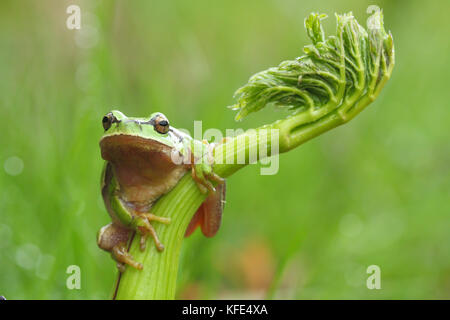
(144, 159)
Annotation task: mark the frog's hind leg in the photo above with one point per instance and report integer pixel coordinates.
(209, 214)
(122, 257)
(114, 239)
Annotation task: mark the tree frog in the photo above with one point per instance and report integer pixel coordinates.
(142, 163)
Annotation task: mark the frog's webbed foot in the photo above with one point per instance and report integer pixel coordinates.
(146, 229)
(202, 171)
(121, 255)
(114, 239)
(203, 175)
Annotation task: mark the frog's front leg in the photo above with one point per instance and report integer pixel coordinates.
(202, 160)
(146, 229)
(114, 239)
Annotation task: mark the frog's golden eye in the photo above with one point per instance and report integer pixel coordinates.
(108, 120)
(161, 124)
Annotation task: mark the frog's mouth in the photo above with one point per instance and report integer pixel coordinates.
(135, 150)
(143, 167)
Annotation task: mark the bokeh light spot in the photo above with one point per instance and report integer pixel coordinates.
(44, 266)
(27, 256)
(86, 37)
(13, 166)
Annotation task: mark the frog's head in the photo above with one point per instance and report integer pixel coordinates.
(126, 136)
(156, 127)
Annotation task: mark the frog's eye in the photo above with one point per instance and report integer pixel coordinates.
(108, 120)
(161, 124)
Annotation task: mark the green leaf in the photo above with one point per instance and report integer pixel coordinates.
(334, 72)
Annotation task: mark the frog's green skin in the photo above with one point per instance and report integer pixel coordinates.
(139, 169)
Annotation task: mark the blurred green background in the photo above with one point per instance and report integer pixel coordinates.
(373, 192)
